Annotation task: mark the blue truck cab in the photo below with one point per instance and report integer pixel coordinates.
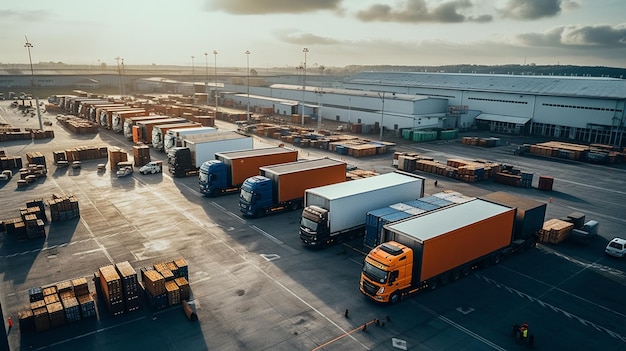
(213, 177)
(256, 196)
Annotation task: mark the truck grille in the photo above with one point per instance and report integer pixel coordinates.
(369, 288)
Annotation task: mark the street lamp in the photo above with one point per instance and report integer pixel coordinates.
(206, 66)
(248, 84)
(215, 87)
(320, 93)
(382, 114)
(305, 50)
(28, 45)
(193, 77)
(119, 72)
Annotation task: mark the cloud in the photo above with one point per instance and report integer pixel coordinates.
(32, 15)
(294, 37)
(599, 36)
(417, 11)
(535, 9)
(259, 7)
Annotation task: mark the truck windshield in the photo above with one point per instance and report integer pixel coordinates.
(308, 224)
(374, 273)
(204, 176)
(245, 196)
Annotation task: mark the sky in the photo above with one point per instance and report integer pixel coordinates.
(336, 33)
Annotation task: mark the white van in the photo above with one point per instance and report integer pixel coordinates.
(616, 247)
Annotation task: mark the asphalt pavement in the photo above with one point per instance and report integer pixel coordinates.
(255, 287)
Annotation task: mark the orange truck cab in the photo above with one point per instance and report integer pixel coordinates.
(387, 271)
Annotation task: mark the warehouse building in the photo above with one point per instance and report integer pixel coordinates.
(583, 109)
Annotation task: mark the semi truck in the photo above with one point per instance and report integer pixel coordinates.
(130, 122)
(337, 212)
(103, 110)
(281, 187)
(115, 119)
(197, 149)
(226, 173)
(142, 131)
(426, 251)
(174, 137)
(158, 132)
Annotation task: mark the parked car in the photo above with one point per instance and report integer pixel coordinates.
(151, 167)
(124, 172)
(616, 247)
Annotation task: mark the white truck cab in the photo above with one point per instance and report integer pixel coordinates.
(616, 247)
(151, 167)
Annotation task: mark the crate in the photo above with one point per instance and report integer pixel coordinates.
(87, 306)
(42, 321)
(183, 286)
(173, 293)
(26, 320)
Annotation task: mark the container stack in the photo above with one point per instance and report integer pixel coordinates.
(141, 155)
(111, 285)
(116, 155)
(555, 231)
(130, 286)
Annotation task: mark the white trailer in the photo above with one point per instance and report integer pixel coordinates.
(204, 146)
(336, 212)
(174, 137)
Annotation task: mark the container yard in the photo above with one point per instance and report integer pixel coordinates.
(107, 270)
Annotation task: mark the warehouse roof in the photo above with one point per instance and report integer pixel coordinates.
(595, 87)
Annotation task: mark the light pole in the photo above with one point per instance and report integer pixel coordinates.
(215, 87)
(305, 50)
(248, 84)
(119, 72)
(193, 77)
(320, 93)
(382, 114)
(206, 66)
(28, 45)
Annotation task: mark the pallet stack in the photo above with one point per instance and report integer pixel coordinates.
(154, 288)
(111, 286)
(55, 305)
(141, 155)
(63, 207)
(555, 231)
(166, 283)
(116, 155)
(36, 158)
(130, 286)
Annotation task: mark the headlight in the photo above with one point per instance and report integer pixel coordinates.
(381, 290)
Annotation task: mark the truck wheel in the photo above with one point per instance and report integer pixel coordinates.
(293, 206)
(455, 275)
(433, 285)
(259, 213)
(215, 192)
(395, 298)
(153, 171)
(496, 258)
(465, 271)
(444, 279)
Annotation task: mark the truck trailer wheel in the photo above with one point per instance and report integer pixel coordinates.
(433, 285)
(496, 258)
(455, 275)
